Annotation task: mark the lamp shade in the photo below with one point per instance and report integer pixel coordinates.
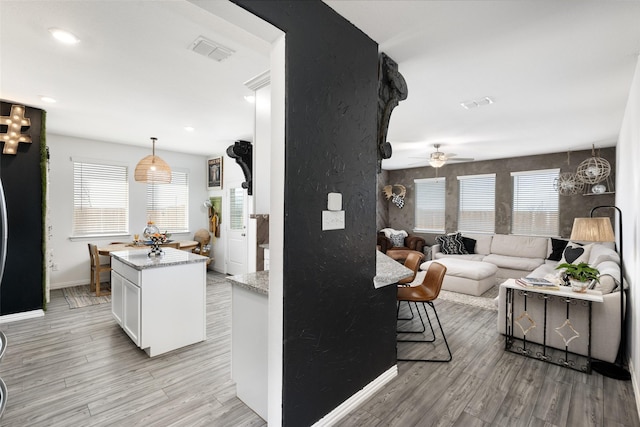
(152, 169)
(592, 230)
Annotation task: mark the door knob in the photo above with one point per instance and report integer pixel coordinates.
(243, 234)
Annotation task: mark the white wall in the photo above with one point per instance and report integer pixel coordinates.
(72, 257)
(628, 200)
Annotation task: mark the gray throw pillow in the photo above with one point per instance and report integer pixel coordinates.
(397, 240)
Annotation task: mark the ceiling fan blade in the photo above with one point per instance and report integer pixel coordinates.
(460, 159)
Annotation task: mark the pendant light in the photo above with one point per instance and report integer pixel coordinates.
(568, 183)
(594, 169)
(152, 169)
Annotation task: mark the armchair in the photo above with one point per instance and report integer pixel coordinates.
(411, 243)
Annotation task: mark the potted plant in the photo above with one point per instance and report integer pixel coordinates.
(580, 276)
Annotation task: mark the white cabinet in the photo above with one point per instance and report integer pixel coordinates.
(160, 304)
(117, 297)
(125, 305)
(131, 306)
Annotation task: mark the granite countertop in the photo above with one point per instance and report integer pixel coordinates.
(388, 271)
(257, 282)
(140, 260)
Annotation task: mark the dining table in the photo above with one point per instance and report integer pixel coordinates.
(185, 245)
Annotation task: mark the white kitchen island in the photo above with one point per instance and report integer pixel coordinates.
(160, 302)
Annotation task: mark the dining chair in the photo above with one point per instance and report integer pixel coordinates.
(96, 269)
(412, 262)
(426, 292)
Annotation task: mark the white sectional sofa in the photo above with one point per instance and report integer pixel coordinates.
(519, 256)
(515, 256)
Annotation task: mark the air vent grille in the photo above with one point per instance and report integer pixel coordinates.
(210, 49)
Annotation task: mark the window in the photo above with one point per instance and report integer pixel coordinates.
(100, 199)
(168, 204)
(477, 205)
(430, 200)
(236, 208)
(535, 203)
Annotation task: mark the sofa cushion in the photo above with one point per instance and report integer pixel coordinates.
(575, 253)
(519, 246)
(514, 262)
(469, 257)
(483, 242)
(451, 244)
(475, 270)
(557, 249)
(600, 253)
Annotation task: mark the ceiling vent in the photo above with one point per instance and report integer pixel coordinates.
(211, 49)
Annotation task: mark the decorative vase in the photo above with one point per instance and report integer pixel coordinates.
(150, 230)
(578, 286)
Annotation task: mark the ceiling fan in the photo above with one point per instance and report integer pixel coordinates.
(438, 159)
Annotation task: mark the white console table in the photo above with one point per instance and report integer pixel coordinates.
(160, 302)
(525, 322)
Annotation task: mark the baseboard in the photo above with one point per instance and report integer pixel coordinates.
(62, 285)
(21, 316)
(634, 384)
(357, 399)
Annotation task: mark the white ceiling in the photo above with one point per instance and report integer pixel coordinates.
(559, 72)
(132, 76)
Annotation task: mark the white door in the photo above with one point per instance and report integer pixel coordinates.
(237, 231)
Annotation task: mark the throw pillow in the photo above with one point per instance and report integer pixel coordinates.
(575, 253)
(397, 240)
(557, 249)
(469, 244)
(451, 244)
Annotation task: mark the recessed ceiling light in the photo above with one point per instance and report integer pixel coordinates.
(64, 36)
(189, 128)
(251, 99)
(48, 99)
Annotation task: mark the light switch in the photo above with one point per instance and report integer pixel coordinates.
(334, 201)
(332, 220)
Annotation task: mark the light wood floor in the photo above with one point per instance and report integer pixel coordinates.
(78, 368)
(485, 386)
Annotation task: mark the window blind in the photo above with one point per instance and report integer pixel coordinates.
(535, 203)
(430, 204)
(236, 208)
(100, 199)
(477, 204)
(168, 204)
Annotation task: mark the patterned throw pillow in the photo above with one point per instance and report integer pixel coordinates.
(397, 240)
(557, 249)
(451, 244)
(575, 253)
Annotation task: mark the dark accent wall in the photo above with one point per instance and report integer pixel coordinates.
(22, 180)
(339, 332)
(570, 206)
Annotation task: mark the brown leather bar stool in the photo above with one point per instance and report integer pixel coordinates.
(425, 293)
